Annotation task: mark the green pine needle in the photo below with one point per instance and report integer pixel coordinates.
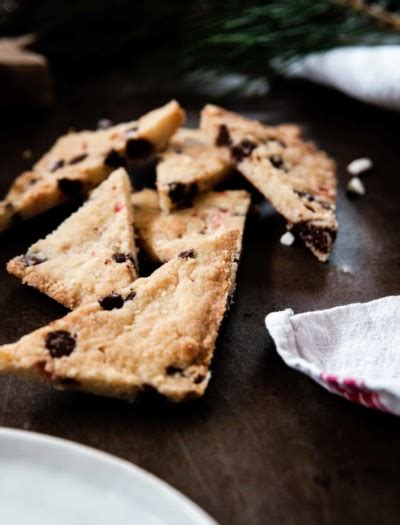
(252, 37)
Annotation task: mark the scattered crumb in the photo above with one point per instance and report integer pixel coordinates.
(287, 239)
(355, 185)
(27, 154)
(358, 166)
(104, 123)
(346, 269)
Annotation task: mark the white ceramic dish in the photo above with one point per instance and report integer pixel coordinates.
(46, 480)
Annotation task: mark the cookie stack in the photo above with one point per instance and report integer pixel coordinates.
(128, 333)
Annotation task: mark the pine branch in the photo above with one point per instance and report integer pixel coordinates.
(377, 12)
(253, 37)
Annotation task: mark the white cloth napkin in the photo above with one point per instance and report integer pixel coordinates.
(369, 73)
(351, 350)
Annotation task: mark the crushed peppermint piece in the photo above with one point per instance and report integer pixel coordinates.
(355, 185)
(358, 166)
(104, 123)
(287, 239)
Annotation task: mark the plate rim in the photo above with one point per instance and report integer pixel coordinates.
(200, 516)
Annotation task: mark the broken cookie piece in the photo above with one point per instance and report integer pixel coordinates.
(164, 236)
(190, 165)
(159, 333)
(78, 162)
(91, 254)
(298, 179)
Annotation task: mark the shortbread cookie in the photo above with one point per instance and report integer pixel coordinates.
(158, 333)
(190, 165)
(163, 235)
(91, 254)
(78, 162)
(298, 179)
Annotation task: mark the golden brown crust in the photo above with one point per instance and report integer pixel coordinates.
(298, 179)
(190, 165)
(163, 336)
(78, 162)
(75, 263)
(163, 236)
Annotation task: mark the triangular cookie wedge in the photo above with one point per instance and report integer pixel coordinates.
(162, 236)
(160, 332)
(91, 254)
(190, 165)
(78, 162)
(298, 179)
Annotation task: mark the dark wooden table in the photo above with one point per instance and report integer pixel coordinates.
(265, 444)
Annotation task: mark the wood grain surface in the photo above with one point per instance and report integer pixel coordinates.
(265, 444)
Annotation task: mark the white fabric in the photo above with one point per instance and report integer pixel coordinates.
(351, 350)
(369, 73)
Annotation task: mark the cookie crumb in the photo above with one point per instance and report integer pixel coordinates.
(358, 166)
(287, 239)
(27, 154)
(104, 123)
(355, 185)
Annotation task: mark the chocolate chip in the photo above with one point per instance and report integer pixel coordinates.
(9, 206)
(305, 195)
(109, 302)
(224, 137)
(32, 259)
(311, 198)
(199, 379)
(172, 370)
(187, 254)
(60, 343)
(121, 257)
(319, 236)
(131, 296)
(276, 161)
(139, 148)
(182, 194)
(242, 150)
(70, 188)
(124, 257)
(78, 158)
(114, 159)
(57, 165)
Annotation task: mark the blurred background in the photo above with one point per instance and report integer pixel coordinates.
(212, 47)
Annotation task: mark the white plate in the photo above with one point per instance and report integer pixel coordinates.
(46, 480)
